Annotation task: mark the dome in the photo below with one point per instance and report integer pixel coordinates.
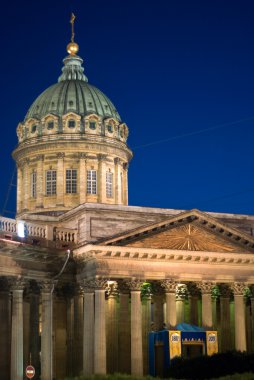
(72, 93)
(72, 96)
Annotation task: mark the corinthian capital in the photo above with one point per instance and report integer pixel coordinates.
(17, 284)
(205, 287)
(169, 285)
(134, 284)
(238, 288)
(47, 286)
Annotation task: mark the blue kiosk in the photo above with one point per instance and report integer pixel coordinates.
(186, 341)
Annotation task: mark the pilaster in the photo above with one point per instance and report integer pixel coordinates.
(60, 180)
(82, 178)
(102, 179)
(40, 182)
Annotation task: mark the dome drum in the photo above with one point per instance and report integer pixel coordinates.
(72, 123)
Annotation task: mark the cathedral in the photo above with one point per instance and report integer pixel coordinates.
(84, 276)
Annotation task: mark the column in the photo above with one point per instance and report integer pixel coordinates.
(102, 178)
(17, 330)
(4, 329)
(26, 329)
(100, 328)
(157, 299)
(88, 334)
(225, 341)
(240, 323)
(181, 293)
(26, 192)
(136, 327)
(40, 187)
(47, 288)
(69, 293)
(60, 178)
(207, 311)
(169, 286)
(112, 328)
(146, 328)
(124, 329)
(34, 329)
(78, 330)
(193, 299)
(82, 178)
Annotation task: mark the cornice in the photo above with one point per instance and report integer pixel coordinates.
(93, 252)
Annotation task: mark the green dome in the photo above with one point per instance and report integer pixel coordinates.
(72, 94)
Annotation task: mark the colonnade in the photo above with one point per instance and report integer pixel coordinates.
(107, 323)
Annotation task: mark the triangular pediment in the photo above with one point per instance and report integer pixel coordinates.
(192, 230)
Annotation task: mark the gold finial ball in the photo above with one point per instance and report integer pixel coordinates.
(72, 48)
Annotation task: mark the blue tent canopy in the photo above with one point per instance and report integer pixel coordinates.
(189, 328)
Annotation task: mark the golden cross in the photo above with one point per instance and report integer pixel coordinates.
(72, 20)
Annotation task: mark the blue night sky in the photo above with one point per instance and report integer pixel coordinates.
(181, 74)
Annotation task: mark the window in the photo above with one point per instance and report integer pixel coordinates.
(92, 125)
(109, 184)
(51, 182)
(33, 184)
(33, 129)
(71, 123)
(110, 128)
(91, 182)
(50, 125)
(71, 181)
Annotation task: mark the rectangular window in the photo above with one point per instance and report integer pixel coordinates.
(91, 187)
(33, 184)
(71, 181)
(50, 182)
(109, 184)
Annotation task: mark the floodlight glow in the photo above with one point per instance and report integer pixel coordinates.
(21, 229)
